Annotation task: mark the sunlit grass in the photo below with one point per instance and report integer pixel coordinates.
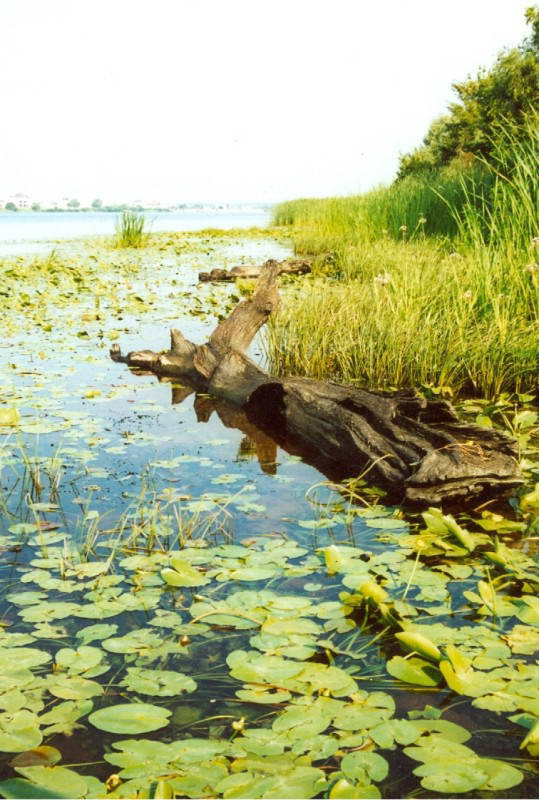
(449, 296)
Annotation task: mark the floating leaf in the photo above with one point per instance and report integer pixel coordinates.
(365, 767)
(80, 660)
(501, 776)
(99, 632)
(162, 683)
(414, 670)
(21, 789)
(62, 718)
(451, 777)
(130, 718)
(344, 789)
(19, 731)
(183, 574)
(65, 782)
(38, 756)
(73, 687)
(23, 657)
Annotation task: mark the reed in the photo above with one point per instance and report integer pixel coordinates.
(422, 283)
(131, 230)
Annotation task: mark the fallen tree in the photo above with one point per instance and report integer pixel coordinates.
(287, 267)
(413, 447)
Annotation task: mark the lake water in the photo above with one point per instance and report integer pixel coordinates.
(179, 596)
(24, 232)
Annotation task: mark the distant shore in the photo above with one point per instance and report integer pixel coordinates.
(27, 232)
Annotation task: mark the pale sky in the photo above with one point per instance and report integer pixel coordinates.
(230, 100)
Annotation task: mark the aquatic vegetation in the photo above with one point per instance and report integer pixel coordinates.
(403, 297)
(325, 732)
(200, 628)
(131, 230)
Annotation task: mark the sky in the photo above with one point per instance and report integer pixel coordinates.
(230, 100)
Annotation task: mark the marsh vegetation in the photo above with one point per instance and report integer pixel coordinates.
(180, 620)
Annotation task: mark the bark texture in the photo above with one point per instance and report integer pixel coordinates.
(413, 447)
(288, 267)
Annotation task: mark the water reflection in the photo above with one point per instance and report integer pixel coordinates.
(262, 436)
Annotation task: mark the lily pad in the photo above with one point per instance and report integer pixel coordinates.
(130, 718)
(414, 670)
(162, 683)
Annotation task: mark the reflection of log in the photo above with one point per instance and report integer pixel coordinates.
(293, 267)
(412, 446)
(264, 446)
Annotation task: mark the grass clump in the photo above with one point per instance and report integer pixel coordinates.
(422, 283)
(131, 230)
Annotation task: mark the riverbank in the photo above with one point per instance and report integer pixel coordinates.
(431, 281)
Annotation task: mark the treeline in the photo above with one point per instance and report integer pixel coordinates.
(503, 96)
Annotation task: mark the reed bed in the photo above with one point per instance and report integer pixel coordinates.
(448, 297)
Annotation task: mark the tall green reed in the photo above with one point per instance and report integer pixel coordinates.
(131, 230)
(430, 281)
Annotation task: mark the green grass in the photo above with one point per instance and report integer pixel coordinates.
(421, 283)
(131, 230)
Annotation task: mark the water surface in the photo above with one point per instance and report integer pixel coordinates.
(29, 231)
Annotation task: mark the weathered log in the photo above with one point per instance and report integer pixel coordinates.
(414, 447)
(287, 267)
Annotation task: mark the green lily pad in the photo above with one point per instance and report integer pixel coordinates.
(302, 721)
(130, 718)
(73, 687)
(79, 660)
(19, 731)
(21, 789)
(92, 633)
(501, 776)
(183, 574)
(451, 777)
(62, 718)
(367, 712)
(23, 657)
(162, 683)
(365, 767)
(63, 781)
(344, 789)
(414, 670)
(256, 668)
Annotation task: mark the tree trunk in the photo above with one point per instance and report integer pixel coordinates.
(414, 448)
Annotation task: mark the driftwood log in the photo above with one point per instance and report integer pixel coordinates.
(413, 447)
(288, 267)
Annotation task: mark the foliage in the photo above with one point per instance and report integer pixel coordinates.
(507, 92)
(131, 230)
(393, 302)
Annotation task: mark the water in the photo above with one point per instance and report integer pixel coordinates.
(25, 232)
(97, 444)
